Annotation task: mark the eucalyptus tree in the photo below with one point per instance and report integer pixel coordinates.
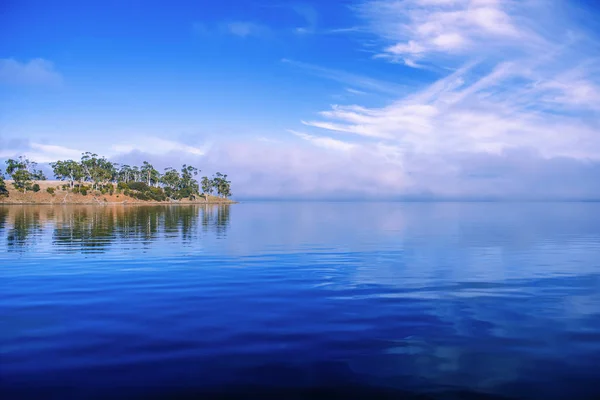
(188, 182)
(222, 185)
(207, 186)
(23, 173)
(136, 173)
(68, 170)
(170, 180)
(125, 173)
(97, 170)
(225, 188)
(3, 189)
(151, 175)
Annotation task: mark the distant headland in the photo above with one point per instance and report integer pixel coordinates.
(96, 180)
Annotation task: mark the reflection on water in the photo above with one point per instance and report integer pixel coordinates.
(93, 229)
(363, 299)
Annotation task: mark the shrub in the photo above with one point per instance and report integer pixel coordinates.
(140, 195)
(83, 191)
(35, 187)
(50, 190)
(139, 186)
(185, 192)
(157, 194)
(108, 188)
(169, 192)
(3, 189)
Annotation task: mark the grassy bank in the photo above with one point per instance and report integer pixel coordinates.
(61, 196)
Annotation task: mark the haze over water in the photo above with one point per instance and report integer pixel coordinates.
(289, 298)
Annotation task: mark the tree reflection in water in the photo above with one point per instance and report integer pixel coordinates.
(95, 228)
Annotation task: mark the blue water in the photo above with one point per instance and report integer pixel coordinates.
(439, 300)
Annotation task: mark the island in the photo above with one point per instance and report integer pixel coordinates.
(96, 180)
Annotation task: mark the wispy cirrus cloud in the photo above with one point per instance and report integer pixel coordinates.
(37, 71)
(415, 30)
(515, 79)
(355, 91)
(325, 142)
(530, 98)
(348, 78)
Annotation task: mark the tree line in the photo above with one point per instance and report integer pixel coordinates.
(95, 173)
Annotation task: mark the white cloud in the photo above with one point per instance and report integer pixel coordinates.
(421, 29)
(155, 145)
(380, 170)
(449, 41)
(325, 142)
(41, 153)
(518, 99)
(540, 98)
(34, 72)
(320, 167)
(355, 91)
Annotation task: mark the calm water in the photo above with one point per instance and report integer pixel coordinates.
(363, 299)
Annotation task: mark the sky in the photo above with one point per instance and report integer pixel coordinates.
(337, 99)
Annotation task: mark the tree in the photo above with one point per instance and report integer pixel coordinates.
(125, 174)
(171, 180)
(207, 186)
(96, 169)
(188, 185)
(225, 187)
(68, 170)
(3, 189)
(187, 178)
(23, 173)
(136, 173)
(222, 185)
(151, 175)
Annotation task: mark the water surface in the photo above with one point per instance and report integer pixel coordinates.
(359, 299)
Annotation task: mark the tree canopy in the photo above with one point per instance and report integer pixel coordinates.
(3, 189)
(23, 173)
(94, 172)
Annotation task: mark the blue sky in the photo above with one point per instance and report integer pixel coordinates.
(328, 99)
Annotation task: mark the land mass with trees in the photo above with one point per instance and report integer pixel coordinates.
(96, 180)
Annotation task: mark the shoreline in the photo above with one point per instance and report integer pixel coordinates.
(124, 203)
(63, 197)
